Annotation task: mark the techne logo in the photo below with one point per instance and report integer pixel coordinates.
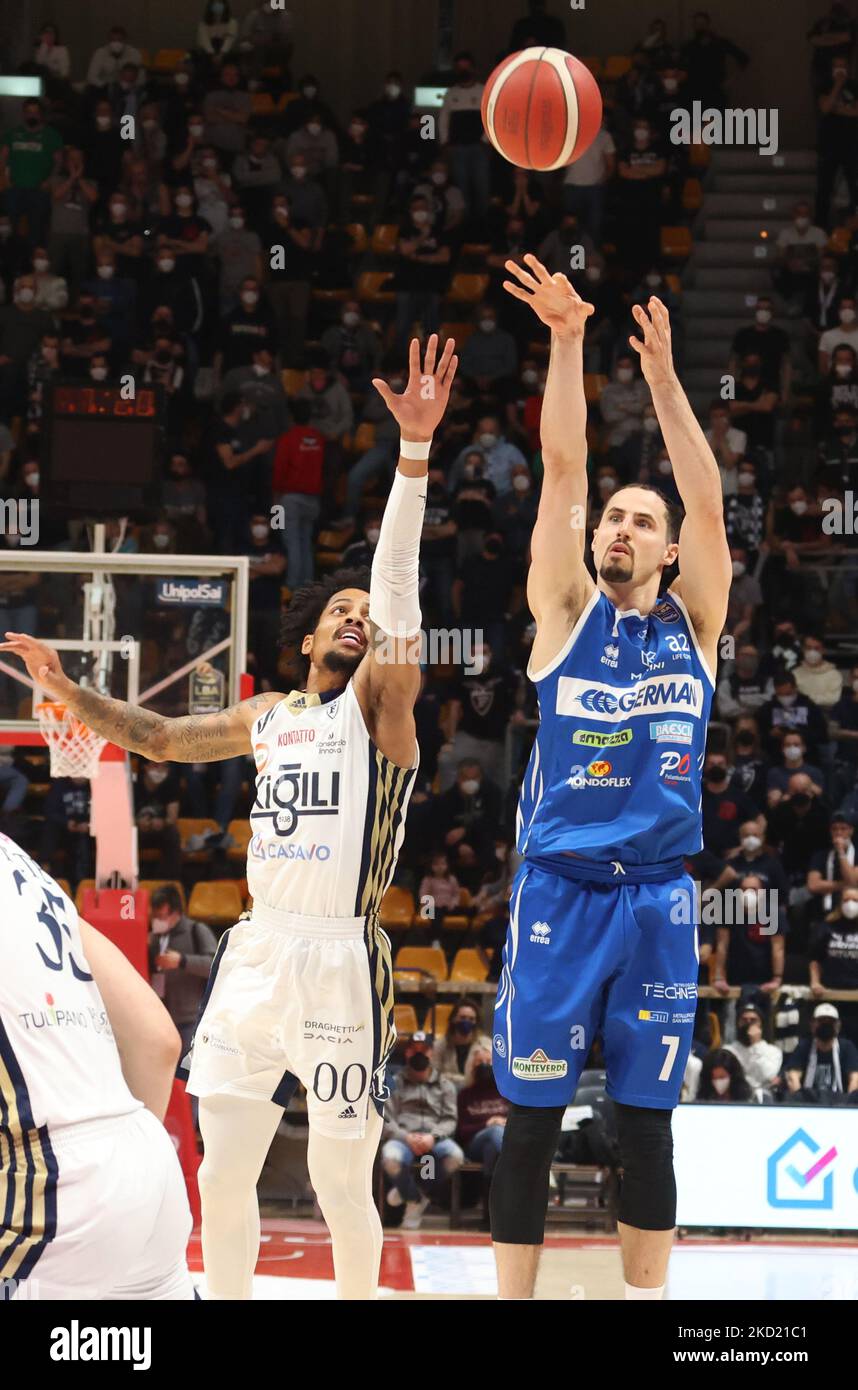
(799, 1174)
(657, 694)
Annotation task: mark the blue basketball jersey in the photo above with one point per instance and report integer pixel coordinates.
(615, 771)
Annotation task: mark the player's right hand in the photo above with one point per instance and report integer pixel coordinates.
(551, 297)
(41, 661)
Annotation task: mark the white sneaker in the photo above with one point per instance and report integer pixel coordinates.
(414, 1214)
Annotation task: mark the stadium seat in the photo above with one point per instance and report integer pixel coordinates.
(699, 156)
(437, 1024)
(477, 248)
(293, 381)
(466, 288)
(397, 909)
(461, 332)
(616, 66)
(467, 965)
(370, 285)
(676, 242)
(263, 104)
(218, 902)
(839, 241)
(195, 825)
(241, 832)
(83, 885)
(461, 920)
(429, 959)
(692, 195)
(594, 385)
(673, 283)
(153, 884)
(364, 437)
(385, 238)
(167, 60)
(357, 233)
(404, 1020)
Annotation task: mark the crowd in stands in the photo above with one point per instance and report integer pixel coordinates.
(227, 231)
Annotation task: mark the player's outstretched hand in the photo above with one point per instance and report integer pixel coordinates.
(41, 661)
(419, 409)
(551, 297)
(655, 352)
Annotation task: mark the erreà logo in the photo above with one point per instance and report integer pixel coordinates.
(537, 1067)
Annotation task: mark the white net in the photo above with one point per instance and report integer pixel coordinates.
(75, 748)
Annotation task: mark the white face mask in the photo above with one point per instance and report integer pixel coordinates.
(827, 277)
(157, 774)
(98, 373)
(653, 280)
(488, 440)
(298, 171)
(487, 325)
(607, 484)
(738, 569)
(842, 369)
(181, 79)
(350, 318)
(196, 131)
(793, 754)
(372, 534)
(249, 299)
(520, 482)
(798, 508)
(259, 532)
(664, 467)
(763, 316)
(470, 787)
(392, 89)
(103, 122)
(210, 164)
(721, 1085)
(746, 480)
(166, 265)
(25, 296)
(813, 657)
(624, 375)
(530, 377)
(162, 542)
(641, 136)
(802, 224)
(650, 424)
(237, 223)
(314, 129)
(787, 701)
(183, 200)
(439, 177)
(850, 907)
(116, 48)
(847, 315)
(118, 211)
(420, 215)
(105, 272)
(309, 92)
(260, 370)
(32, 479)
(670, 84)
(593, 273)
(751, 844)
(41, 265)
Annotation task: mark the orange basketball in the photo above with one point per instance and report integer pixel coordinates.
(541, 108)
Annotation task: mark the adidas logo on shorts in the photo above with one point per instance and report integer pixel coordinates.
(348, 1114)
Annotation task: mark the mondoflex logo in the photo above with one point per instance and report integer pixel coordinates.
(656, 695)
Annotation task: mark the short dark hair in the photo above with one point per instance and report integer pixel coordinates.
(168, 896)
(673, 514)
(307, 606)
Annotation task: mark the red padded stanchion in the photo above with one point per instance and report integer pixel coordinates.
(179, 1124)
(123, 917)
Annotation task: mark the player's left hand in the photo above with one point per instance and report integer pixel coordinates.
(655, 352)
(419, 409)
(168, 960)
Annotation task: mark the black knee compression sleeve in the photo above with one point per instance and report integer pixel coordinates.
(519, 1193)
(648, 1193)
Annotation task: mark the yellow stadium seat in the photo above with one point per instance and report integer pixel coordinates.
(476, 248)
(692, 195)
(385, 238)
(459, 921)
(153, 884)
(370, 286)
(168, 59)
(429, 959)
(466, 288)
(616, 66)
(699, 156)
(66, 886)
(459, 332)
(397, 909)
(594, 384)
(438, 1026)
(404, 1020)
(364, 437)
(195, 825)
(241, 832)
(218, 902)
(357, 232)
(838, 242)
(80, 890)
(263, 104)
(676, 242)
(673, 283)
(467, 965)
(292, 380)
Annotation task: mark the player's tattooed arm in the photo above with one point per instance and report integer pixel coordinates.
(195, 738)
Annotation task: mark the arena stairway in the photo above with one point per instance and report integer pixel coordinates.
(748, 199)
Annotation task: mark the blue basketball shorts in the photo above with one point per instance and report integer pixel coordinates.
(586, 959)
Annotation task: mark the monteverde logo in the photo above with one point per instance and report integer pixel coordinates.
(537, 1067)
(591, 738)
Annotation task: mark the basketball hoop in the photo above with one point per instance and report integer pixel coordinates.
(75, 748)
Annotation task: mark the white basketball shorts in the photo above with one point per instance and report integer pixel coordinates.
(299, 999)
(122, 1215)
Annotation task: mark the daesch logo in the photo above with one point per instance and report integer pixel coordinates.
(656, 694)
(540, 933)
(789, 1174)
(671, 731)
(538, 1067)
(675, 767)
(592, 738)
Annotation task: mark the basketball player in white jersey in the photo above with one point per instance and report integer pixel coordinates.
(92, 1199)
(302, 991)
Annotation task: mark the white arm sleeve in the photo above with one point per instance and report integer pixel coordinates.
(394, 600)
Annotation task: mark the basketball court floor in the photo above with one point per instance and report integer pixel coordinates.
(295, 1263)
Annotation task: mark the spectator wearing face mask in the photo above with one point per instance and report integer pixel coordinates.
(230, 457)
(420, 1121)
(771, 345)
(799, 829)
(480, 705)
(266, 41)
(227, 110)
(566, 249)
(515, 516)
(473, 506)
(104, 149)
(837, 104)
(22, 328)
(317, 144)
(642, 169)
(791, 710)
(823, 296)
(832, 36)
(297, 485)
(838, 391)
(115, 300)
(747, 687)
(844, 333)
(609, 309)
(482, 1110)
(798, 249)
(704, 57)
(52, 292)
(156, 814)
(451, 1053)
(844, 720)
(622, 405)
(123, 237)
(460, 130)
(308, 103)
(469, 811)
(108, 61)
(439, 892)
(43, 369)
(722, 1079)
(239, 255)
(724, 806)
(294, 235)
(353, 347)
(66, 826)
(838, 454)
(794, 533)
(817, 678)
(260, 387)
(438, 548)
(421, 274)
(447, 200)
(181, 950)
(659, 472)
(248, 328)
(749, 948)
(750, 767)
(834, 957)
(585, 183)
(761, 1061)
(825, 1065)
(759, 860)
(834, 868)
(213, 189)
(183, 496)
(793, 760)
(29, 155)
(490, 356)
(745, 514)
(745, 596)
(267, 567)
(257, 175)
(500, 456)
(73, 196)
(728, 443)
(185, 236)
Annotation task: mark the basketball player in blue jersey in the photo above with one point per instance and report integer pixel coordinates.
(302, 991)
(598, 943)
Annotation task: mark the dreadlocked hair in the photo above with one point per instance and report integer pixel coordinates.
(306, 607)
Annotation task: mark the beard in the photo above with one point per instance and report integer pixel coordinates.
(618, 569)
(342, 663)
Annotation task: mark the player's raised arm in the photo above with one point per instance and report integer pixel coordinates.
(388, 680)
(704, 555)
(558, 583)
(193, 738)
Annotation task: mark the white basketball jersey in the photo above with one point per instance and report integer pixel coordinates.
(329, 815)
(58, 1059)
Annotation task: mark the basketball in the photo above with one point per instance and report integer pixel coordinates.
(541, 108)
